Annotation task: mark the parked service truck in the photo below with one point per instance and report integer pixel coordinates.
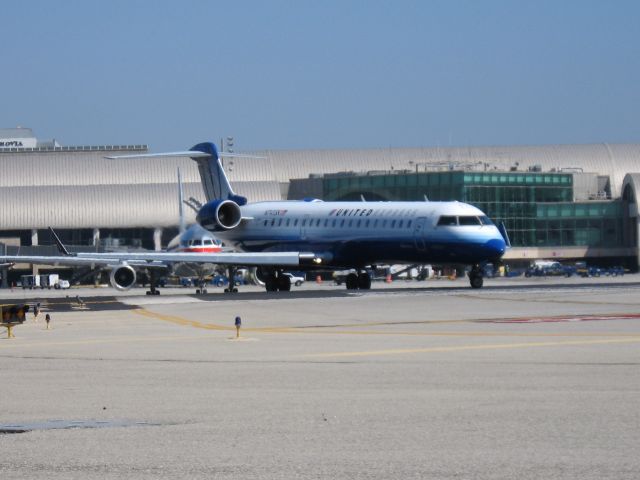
(51, 280)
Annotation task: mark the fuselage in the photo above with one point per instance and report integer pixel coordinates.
(357, 234)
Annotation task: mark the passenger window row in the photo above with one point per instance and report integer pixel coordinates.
(338, 223)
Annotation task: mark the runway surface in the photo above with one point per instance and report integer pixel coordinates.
(535, 379)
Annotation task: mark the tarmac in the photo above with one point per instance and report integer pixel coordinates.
(525, 378)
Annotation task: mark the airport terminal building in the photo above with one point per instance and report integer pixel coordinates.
(557, 201)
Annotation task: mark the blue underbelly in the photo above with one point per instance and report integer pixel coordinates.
(368, 251)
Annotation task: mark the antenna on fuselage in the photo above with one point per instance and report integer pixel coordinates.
(425, 197)
(362, 197)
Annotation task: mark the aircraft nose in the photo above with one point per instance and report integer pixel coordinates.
(496, 247)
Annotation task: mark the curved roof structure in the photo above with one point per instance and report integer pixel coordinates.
(76, 187)
(614, 160)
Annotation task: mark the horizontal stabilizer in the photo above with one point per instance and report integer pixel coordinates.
(188, 154)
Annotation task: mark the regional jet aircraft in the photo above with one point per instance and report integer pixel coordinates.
(278, 235)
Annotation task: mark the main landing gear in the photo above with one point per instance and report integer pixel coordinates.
(358, 281)
(202, 287)
(475, 277)
(153, 284)
(275, 281)
(231, 275)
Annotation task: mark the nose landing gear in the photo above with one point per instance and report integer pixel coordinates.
(475, 277)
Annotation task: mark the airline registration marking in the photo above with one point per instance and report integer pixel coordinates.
(275, 213)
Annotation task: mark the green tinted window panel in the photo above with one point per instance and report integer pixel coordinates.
(594, 210)
(566, 210)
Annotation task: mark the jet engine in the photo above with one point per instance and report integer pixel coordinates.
(123, 277)
(220, 215)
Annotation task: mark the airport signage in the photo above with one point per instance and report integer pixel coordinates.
(10, 143)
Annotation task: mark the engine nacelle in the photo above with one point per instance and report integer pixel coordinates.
(220, 215)
(123, 277)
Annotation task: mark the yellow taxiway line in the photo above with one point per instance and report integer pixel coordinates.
(404, 351)
(336, 329)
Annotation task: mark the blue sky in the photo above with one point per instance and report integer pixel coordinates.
(322, 74)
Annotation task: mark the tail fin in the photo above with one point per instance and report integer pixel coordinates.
(214, 181)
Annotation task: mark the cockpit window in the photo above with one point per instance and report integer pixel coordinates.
(486, 220)
(468, 220)
(447, 220)
(207, 241)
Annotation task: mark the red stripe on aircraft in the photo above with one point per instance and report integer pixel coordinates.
(201, 250)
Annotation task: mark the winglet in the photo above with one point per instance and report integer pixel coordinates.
(63, 250)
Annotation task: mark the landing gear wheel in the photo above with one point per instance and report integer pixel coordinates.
(476, 281)
(352, 281)
(284, 283)
(364, 281)
(271, 283)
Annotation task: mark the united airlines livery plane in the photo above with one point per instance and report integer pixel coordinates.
(311, 234)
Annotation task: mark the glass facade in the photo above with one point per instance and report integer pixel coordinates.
(537, 208)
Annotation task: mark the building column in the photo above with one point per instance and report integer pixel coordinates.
(4, 272)
(157, 239)
(34, 243)
(96, 237)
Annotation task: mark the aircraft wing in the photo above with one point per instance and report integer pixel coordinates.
(58, 260)
(160, 259)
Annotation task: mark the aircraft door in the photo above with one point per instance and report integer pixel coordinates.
(418, 233)
(304, 225)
